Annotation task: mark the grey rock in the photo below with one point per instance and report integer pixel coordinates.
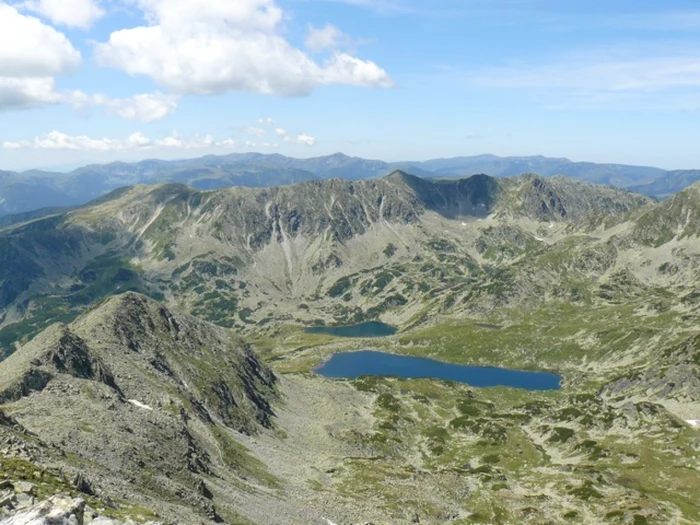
(54, 511)
(24, 487)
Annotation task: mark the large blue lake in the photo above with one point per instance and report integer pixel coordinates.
(351, 365)
(371, 329)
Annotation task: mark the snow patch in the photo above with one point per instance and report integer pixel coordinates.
(139, 404)
(695, 423)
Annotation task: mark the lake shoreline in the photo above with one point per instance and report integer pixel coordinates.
(357, 363)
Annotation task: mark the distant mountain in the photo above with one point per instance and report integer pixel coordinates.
(32, 190)
(9, 220)
(614, 174)
(669, 183)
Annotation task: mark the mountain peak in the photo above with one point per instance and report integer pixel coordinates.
(399, 175)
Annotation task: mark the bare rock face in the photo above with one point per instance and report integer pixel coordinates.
(59, 510)
(54, 511)
(673, 375)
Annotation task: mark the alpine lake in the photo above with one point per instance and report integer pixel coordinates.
(351, 365)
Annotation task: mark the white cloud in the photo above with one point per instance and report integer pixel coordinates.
(269, 121)
(346, 69)
(16, 145)
(194, 47)
(144, 107)
(74, 13)
(57, 140)
(306, 139)
(327, 37)
(138, 140)
(176, 141)
(386, 7)
(23, 93)
(29, 48)
(31, 55)
(303, 139)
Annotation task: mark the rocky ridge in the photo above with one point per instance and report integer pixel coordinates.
(145, 402)
(241, 250)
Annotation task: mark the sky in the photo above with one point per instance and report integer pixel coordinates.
(85, 81)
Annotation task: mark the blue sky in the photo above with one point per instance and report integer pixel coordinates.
(94, 81)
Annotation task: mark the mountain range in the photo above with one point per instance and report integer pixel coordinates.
(155, 363)
(33, 190)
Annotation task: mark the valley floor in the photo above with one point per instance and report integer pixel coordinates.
(420, 451)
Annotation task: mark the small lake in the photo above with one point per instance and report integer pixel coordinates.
(370, 329)
(351, 365)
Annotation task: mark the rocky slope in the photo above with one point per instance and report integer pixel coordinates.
(144, 405)
(241, 257)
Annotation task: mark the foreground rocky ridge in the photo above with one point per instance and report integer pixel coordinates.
(143, 404)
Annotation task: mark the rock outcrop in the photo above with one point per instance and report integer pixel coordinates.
(145, 401)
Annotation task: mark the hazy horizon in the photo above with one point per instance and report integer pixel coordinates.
(67, 168)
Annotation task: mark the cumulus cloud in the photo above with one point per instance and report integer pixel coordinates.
(23, 93)
(305, 139)
(57, 140)
(320, 39)
(194, 47)
(73, 13)
(31, 55)
(31, 49)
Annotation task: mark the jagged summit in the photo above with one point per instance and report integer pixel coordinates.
(131, 337)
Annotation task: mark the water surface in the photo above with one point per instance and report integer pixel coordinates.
(351, 365)
(370, 329)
